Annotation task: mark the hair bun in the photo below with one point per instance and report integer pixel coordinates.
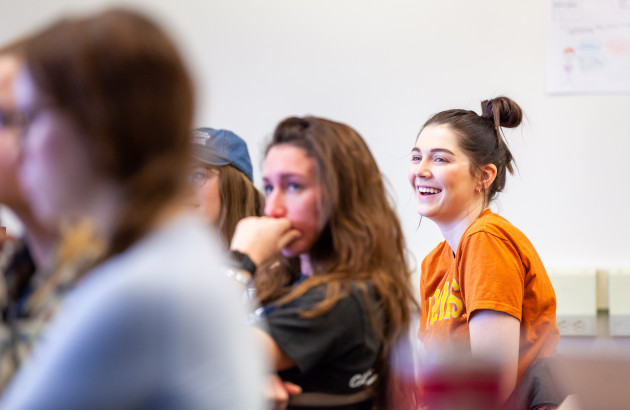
(502, 110)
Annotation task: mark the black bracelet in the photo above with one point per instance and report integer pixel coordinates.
(242, 261)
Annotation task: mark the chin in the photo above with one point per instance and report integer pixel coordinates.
(424, 213)
(295, 249)
(287, 254)
(290, 253)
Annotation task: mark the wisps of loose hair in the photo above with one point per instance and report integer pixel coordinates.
(481, 137)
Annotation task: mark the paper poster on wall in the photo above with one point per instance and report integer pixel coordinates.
(588, 46)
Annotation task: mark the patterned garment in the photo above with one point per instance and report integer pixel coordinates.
(31, 297)
(16, 330)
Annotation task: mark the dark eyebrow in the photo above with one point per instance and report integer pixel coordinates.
(433, 151)
(286, 176)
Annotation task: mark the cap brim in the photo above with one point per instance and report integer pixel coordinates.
(205, 155)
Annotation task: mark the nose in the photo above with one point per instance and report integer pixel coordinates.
(274, 205)
(422, 169)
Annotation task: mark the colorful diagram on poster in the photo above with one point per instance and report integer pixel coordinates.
(588, 46)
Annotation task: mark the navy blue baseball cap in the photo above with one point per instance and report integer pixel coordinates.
(221, 147)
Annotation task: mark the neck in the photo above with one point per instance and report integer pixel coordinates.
(103, 210)
(305, 265)
(454, 228)
(168, 213)
(106, 205)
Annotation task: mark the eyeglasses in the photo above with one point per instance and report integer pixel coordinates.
(199, 175)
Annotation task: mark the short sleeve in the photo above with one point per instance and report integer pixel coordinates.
(491, 274)
(311, 341)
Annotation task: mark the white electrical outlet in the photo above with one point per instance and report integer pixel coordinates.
(576, 311)
(619, 302)
(577, 325)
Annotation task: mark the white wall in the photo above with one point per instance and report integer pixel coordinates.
(384, 67)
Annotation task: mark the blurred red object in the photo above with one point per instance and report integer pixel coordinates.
(461, 384)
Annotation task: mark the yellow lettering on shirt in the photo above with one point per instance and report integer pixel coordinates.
(455, 304)
(443, 305)
(435, 312)
(431, 302)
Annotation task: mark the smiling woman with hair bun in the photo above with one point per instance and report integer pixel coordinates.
(484, 290)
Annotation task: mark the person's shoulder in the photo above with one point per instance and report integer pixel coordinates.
(497, 228)
(186, 239)
(436, 253)
(363, 288)
(311, 296)
(181, 247)
(491, 223)
(359, 292)
(179, 262)
(364, 302)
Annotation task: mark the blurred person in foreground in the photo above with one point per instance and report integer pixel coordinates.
(221, 179)
(136, 319)
(20, 257)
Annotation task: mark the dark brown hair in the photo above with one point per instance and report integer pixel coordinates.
(362, 239)
(121, 80)
(239, 199)
(481, 138)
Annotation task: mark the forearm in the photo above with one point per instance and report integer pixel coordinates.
(279, 359)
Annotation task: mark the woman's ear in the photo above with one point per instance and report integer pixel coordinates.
(488, 174)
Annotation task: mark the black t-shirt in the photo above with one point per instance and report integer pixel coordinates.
(335, 352)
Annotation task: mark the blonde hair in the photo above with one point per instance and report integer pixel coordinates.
(239, 199)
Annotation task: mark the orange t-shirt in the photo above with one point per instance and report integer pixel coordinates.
(496, 267)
